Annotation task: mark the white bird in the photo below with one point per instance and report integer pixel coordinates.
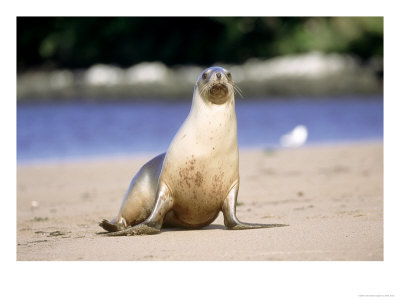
(295, 138)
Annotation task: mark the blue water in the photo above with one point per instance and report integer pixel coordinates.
(49, 131)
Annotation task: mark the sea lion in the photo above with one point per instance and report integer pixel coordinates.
(199, 174)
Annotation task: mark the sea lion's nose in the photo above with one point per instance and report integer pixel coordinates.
(219, 75)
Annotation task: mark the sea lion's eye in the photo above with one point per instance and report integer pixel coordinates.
(229, 75)
(204, 76)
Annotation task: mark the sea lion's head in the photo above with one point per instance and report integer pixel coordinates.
(215, 84)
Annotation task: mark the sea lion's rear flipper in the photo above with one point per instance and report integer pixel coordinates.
(229, 211)
(140, 197)
(111, 226)
(152, 225)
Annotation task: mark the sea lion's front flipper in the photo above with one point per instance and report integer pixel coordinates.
(229, 211)
(152, 225)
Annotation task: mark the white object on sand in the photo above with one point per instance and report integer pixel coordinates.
(295, 138)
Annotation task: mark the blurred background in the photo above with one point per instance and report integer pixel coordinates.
(105, 86)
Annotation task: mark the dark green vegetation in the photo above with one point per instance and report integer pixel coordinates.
(79, 42)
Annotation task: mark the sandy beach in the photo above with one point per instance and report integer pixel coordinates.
(330, 196)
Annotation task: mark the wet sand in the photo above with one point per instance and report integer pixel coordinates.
(331, 197)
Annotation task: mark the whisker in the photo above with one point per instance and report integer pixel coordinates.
(203, 90)
(237, 90)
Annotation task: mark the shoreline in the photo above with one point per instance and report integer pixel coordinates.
(151, 153)
(331, 196)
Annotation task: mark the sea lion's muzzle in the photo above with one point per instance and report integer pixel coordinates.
(219, 90)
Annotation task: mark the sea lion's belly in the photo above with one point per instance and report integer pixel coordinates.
(199, 186)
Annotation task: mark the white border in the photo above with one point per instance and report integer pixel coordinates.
(198, 280)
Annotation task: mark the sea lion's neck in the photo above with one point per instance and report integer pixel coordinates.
(207, 120)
